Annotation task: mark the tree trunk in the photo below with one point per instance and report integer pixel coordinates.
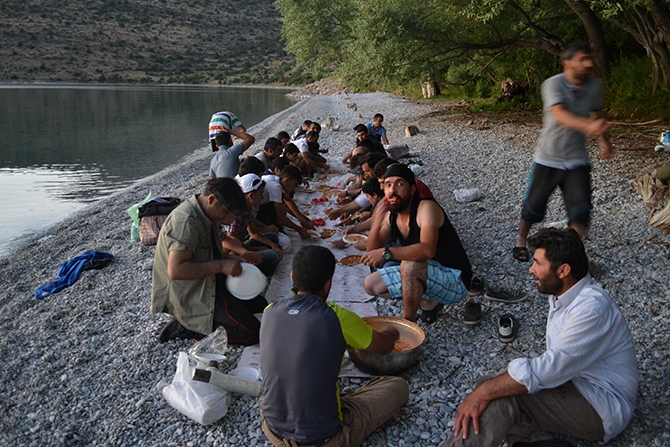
(594, 30)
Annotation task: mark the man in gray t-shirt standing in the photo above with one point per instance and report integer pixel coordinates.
(573, 103)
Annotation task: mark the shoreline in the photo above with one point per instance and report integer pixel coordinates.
(139, 84)
(83, 366)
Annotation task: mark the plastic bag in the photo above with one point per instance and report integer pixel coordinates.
(214, 343)
(200, 401)
(467, 195)
(134, 212)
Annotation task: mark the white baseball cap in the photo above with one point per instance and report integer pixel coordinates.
(250, 182)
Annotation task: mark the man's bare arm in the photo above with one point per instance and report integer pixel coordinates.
(234, 245)
(180, 266)
(307, 157)
(305, 221)
(606, 151)
(429, 218)
(383, 340)
(589, 127)
(247, 139)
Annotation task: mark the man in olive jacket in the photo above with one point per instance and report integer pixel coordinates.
(190, 269)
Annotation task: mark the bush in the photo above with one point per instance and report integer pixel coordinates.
(629, 93)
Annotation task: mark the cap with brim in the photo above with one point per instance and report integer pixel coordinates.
(250, 182)
(402, 171)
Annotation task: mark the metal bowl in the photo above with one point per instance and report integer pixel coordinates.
(394, 362)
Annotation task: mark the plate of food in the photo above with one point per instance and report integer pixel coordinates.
(354, 238)
(350, 260)
(324, 188)
(330, 193)
(327, 233)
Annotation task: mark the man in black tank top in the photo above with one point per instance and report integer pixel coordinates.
(420, 257)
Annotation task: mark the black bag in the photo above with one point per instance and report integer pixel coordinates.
(158, 206)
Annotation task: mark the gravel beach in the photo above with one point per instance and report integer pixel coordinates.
(83, 366)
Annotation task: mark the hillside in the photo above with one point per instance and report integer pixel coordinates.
(163, 41)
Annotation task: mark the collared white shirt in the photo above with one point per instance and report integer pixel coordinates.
(588, 342)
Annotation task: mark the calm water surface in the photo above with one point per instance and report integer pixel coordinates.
(65, 147)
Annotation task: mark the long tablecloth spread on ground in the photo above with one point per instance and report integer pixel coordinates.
(347, 290)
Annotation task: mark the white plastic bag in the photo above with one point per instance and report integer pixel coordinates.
(200, 401)
(467, 195)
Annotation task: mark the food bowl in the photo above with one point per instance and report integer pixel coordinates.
(394, 362)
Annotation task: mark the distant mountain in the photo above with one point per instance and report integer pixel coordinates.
(163, 41)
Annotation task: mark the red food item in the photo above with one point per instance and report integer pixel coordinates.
(319, 200)
(319, 222)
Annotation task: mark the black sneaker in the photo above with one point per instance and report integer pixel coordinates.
(472, 315)
(476, 286)
(509, 296)
(507, 328)
(170, 331)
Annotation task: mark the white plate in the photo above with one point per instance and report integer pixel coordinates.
(249, 284)
(351, 238)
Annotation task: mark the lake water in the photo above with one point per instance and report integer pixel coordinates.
(65, 147)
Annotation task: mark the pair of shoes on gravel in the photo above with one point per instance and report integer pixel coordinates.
(521, 254)
(428, 316)
(505, 295)
(507, 328)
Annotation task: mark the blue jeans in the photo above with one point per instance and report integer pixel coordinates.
(270, 257)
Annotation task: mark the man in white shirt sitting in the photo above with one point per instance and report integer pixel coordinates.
(584, 385)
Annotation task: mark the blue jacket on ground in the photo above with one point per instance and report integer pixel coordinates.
(69, 271)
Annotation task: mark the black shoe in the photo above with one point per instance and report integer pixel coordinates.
(472, 315)
(507, 328)
(428, 316)
(555, 442)
(170, 331)
(476, 286)
(505, 295)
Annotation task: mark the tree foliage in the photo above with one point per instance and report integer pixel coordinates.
(385, 43)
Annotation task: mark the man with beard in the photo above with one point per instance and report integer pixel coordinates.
(421, 259)
(584, 385)
(573, 103)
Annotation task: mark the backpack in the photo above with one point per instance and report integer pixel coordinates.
(152, 217)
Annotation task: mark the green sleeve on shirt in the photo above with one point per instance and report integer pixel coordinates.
(357, 333)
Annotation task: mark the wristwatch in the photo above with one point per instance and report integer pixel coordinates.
(387, 254)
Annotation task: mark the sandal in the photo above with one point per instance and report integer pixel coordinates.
(428, 316)
(520, 254)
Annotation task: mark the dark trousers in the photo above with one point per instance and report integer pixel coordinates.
(237, 317)
(267, 214)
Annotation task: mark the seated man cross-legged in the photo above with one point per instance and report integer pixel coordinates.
(430, 266)
(303, 340)
(584, 385)
(190, 269)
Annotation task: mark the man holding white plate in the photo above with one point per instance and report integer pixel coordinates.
(193, 279)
